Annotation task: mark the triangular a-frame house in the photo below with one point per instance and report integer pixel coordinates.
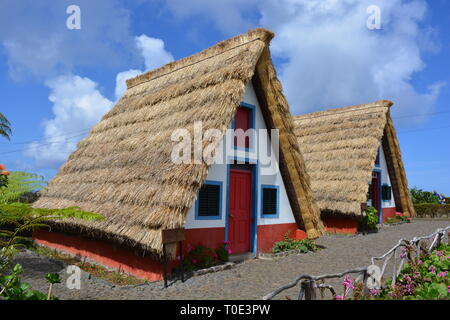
(124, 169)
(353, 157)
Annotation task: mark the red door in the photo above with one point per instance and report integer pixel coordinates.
(240, 203)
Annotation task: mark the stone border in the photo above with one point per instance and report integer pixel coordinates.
(395, 223)
(272, 256)
(218, 268)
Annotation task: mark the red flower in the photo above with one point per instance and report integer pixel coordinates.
(2, 167)
(5, 173)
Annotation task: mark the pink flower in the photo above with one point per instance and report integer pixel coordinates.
(432, 269)
(348, 283)
(229, 250)
(194, 261)
(442, 274)
(402, 253)
(440, 253)
(448, 289)
(373, 292)
(419, 262)
(340, 297)
(416, 275)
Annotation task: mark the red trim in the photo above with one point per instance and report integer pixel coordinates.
(347, 226)
(269, 234)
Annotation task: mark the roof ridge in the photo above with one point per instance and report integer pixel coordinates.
(342, 110)
(221, 47)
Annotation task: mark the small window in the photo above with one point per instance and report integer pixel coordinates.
(386, 192)
(209, 202)
(270, 201)
(243, 121)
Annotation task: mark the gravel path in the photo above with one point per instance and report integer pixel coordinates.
(249, 280)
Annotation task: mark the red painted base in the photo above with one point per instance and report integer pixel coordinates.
(269, 234)
(388, 213)
(103, 253)
(341, 226)
(115, 257)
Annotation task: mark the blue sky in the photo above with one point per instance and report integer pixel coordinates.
(56, 83)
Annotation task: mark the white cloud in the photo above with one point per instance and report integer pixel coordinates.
(155, 55)
(77, 106)
(332, 59)
(153, 51)
(38, 44)
(329, 57)
(121, 78)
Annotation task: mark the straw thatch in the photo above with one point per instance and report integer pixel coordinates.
(123, 169)
(340, 146)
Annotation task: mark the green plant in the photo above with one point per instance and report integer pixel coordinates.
(22, 217)
(18, 184)
(12, 287)
(372, 218)
(5, 127)
(431, 209)
(304, 245)
(422, 278)
(420, 196)
(222, 253)
(52, 278)
(199, 257)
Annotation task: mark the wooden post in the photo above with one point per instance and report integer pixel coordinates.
(165, 265)
(167, 237)
(310, 290)
(181, 261)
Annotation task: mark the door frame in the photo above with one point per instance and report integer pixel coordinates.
(380, 202)
(254, 209)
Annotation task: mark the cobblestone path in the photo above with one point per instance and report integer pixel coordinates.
(248, 280)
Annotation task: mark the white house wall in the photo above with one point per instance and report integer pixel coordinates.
(218, 172)
(385, 180)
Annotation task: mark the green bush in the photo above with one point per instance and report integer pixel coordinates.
(420, 196)
(372, 218)
(431, 210)
(304, 245)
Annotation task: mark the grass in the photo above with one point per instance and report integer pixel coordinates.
(117, 277)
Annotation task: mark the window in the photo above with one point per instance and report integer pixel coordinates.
(386, 192)
(243, 121)
(209, 201)
(270, 198)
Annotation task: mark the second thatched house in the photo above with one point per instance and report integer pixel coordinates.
(353, 158)
(125, 169)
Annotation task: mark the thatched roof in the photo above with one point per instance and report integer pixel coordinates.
(123, 169)
(340, 146)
